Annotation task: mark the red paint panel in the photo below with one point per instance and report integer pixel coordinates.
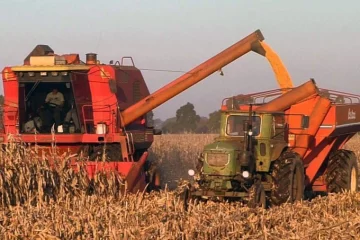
(103, 100)
(11, 96)
(67, 138)
(131, 86)
(82, 95)
(72, 58)
(122, 167)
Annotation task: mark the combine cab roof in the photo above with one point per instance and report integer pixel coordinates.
(43, 58)
(39, 50)
(50, 68)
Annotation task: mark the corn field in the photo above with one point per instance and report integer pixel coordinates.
(38, 202)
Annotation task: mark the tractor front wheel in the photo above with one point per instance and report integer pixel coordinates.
(257, 197)
(288, 179)
(342, 172)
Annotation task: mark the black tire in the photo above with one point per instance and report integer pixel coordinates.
(151, 173)
(151, 181)
(288, 179)
(342, 172)
(185, 198)
(257, 196)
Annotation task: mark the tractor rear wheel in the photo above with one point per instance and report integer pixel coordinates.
(288, 179)
(342, 172)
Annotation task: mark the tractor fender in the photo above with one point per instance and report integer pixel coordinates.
(278, 149)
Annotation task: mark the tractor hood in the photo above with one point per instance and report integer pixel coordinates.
(222, 145)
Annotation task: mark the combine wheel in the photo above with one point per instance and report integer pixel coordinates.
(154, 182)
(342, 172)
(152, 176)
(257, 197)
(288, 179)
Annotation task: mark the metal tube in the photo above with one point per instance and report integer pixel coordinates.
(285, 101)
(189, 79)
(317, 116)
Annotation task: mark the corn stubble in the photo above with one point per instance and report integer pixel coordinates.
(38, 202)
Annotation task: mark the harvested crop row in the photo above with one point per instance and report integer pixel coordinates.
(107, 215)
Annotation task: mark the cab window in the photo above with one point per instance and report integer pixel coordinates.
(235, 125)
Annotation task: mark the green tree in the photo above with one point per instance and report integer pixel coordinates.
(202, 125)
(186, 118)
(213, 123)
(168, 126)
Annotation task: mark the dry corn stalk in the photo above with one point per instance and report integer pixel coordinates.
(43, 203)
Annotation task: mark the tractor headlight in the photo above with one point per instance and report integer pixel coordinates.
(191, 172)
(245, 174)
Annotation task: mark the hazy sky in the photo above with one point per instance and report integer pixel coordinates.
(315, 39)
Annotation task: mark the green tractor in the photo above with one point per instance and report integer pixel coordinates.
(250, 161)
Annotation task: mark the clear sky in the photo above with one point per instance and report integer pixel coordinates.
(315, 39)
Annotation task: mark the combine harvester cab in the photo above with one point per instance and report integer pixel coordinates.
(110, 102)
(274, 147)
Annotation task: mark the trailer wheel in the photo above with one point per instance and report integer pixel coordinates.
(288, 179)
(342, 172)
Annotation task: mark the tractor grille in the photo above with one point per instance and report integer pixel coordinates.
(217, 159)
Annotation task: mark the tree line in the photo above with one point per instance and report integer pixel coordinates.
(187, 120)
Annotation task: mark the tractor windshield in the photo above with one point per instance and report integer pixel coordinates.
(235, 125)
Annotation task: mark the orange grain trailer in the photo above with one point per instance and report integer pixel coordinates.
(277, 145)
(334, 118)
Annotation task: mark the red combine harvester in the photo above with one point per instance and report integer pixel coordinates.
(105, 105)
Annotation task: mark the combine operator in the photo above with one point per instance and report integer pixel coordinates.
(54, 103)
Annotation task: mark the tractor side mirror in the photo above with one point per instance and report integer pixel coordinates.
(305, 122)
